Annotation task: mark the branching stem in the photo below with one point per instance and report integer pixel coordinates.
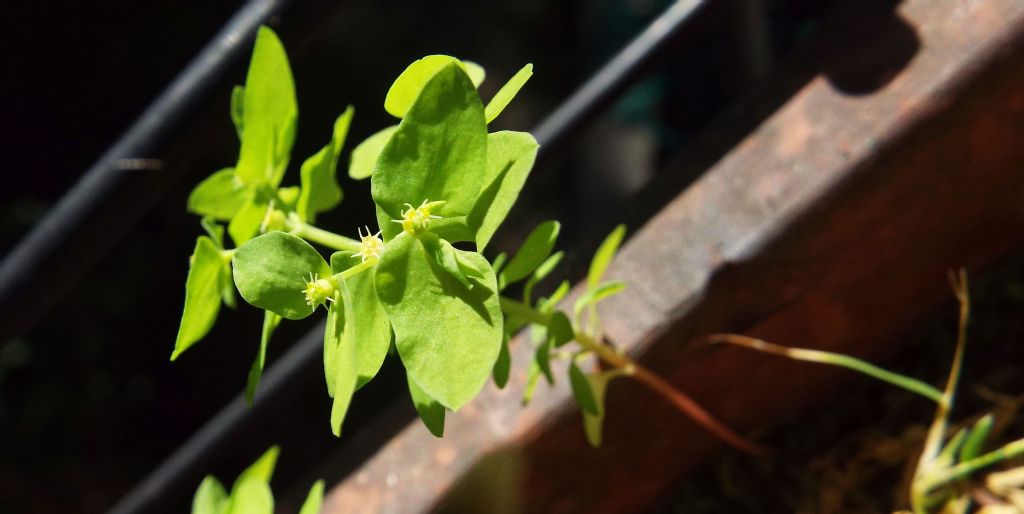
(631, 368)
(324, 237)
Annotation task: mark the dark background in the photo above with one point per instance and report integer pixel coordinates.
(89, 403)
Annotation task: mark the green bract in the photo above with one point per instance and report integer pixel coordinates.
(448, 335)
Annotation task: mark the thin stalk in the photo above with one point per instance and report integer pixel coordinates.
(324, 237)
(631, 368)
(804, 354)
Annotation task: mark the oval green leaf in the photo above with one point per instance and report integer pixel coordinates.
(220, 195)
(271, 272)
(510, 157)
(365, 155)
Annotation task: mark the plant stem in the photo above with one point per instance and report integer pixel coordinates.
(835, 359)
(324, 237)
(631, 368)
(937, 479)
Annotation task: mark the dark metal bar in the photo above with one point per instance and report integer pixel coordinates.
(610, 81)
(37, 266)
(190, 461)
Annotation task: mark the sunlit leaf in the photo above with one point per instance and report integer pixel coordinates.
(272, 270)
(365, 155)
(210, 498)
(430, 411)
(407, 87)
(314, 500)
(320, 190)
(237, 108)
(246, 222)
(448, 336)
(595, 295)
(501, 99)
(436, 154)
(510, 157)
(202, 295)
(270, 113)
(503, 365)
(543, 358)
(560, 329)
(220, 195)
(975, 442)
(604, 255)
(372, 332)
(340, 335)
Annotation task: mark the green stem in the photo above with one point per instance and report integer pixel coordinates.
(324, 237)
(631, 368)
(835, 359)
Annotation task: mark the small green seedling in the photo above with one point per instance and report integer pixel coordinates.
(945, 462)
(442, 184)
(251, 492)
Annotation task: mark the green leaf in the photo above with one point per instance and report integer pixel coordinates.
(593, 423)
(593, 296)
(365, 155)
(409, 85)
(476, 73)
(548, 304)
(976, 439)
(503, 365)
(501, 99)
(220, 195)
(510, 157)
(252, 496)
(214, 230)
(262, 469)
(448, 336)
(344, 356)
(499, 261)
(541, 273)
(270, 322)
(237, 108)
(246, 222)
(444, 255)
(202, 295)
(314, 500)
(604, 255)
(534, 251)
(272, 270)
(320, 190)
(532, 378)
(582, 391)
(543, 358)
(430, 411)
(368, 321)
(560, 330)
(437, 154)
(270, 109)
(210, 498)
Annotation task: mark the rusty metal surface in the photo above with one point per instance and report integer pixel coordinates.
(831, 225)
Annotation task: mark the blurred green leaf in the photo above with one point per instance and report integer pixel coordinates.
(534, 251)
(560, 330)
(581, 390)
(320, 190)
(976, 438)
(507, 92)
(314, 500)
(237, 108)
(532, 378)
(365, 155)
(595, 295)
(543, 358)
(448, 336)
(503, 365)
(272, 270)
(246, 222)
(594, 423)
(604, 255)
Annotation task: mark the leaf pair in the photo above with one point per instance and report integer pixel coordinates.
(250, 493)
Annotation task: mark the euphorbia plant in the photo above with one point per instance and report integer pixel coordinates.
(442, 184)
